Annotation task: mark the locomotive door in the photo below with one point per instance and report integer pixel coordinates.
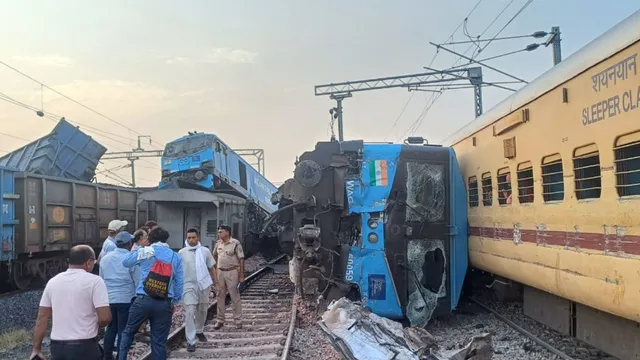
(192, 219)
(418, 232)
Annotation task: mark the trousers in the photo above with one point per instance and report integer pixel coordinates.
(76, 350)
(228, 281)
(195, 316)
(119, 317)
(158, 311)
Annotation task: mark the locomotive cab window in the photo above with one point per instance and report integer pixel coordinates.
(525, 182)
(586, 170)
(504, 186)
(242, 169)
(552, 178)
(627, 160)
(473, 192)
(487, 189)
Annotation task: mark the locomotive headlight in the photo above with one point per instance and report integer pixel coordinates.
(373, 223)
(373, 238)
(199, 175)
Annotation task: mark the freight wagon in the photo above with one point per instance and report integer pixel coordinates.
(43, 217)
(66, 152)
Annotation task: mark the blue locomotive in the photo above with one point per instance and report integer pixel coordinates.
(205, 160)
(385, 224)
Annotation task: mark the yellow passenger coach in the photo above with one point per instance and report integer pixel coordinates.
(553, 179)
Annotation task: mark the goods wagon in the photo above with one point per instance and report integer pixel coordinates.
(52, 215)
(553, 176)
(66, 152)
(384, 224)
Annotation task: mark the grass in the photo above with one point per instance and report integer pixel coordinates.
(13, 339)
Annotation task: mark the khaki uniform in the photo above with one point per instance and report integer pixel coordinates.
(228, 256)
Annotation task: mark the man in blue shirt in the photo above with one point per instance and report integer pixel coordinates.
(121, 288)
(159, 265)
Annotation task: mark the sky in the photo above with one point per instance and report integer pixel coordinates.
(246, 70)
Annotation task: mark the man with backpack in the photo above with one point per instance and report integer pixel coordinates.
(159, 290)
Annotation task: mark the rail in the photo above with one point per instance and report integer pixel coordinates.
(524, 332)
(179, 333)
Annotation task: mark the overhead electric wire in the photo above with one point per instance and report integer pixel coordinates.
(507, 24)
(450, 37)
(68, 98)
(415, 126)
(55, 118)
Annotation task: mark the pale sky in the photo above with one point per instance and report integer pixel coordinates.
(245, 70)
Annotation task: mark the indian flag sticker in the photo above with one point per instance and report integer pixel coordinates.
(378, 175)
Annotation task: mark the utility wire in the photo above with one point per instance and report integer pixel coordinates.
(415, 126)
(55, 118)
(450, 37)
(68, 98)
(507, 24)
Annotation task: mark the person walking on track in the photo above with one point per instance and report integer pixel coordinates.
(160, 289)
(79, 303)
(121, 286)
(198, 265)
(229, 256)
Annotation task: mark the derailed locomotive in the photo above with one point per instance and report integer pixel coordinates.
(385, 224)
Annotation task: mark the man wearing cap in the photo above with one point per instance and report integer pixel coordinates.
(197, 265)
(229, 256)
(115, 226)
(120, 282)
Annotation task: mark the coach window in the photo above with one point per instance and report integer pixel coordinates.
(473, 191)
(525, 182)
(552, 178)
(487, 189)
(586, 171)
(627, 154)
(504, 186)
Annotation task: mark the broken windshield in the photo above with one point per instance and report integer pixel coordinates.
(186, 147)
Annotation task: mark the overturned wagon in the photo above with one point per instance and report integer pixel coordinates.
(43, 217)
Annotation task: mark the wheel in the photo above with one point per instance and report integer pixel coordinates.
(21, 277)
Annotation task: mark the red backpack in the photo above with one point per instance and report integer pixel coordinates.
(156, 284)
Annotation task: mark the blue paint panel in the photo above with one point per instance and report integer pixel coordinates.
(226, 166)
(364, 198)
(370, 267)
(459, 253)
(8, 221)
(66, 152)
(366, 263)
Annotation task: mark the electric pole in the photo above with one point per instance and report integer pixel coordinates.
(133, 155)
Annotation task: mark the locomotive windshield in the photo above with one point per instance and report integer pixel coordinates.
(186, 147)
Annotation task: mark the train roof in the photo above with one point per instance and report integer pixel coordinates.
(619, 37)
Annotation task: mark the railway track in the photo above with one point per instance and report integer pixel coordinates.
(268, 322)
(524, 332)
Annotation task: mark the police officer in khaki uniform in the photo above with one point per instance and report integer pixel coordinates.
(229, 258)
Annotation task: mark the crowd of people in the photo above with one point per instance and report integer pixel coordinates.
(141, 280)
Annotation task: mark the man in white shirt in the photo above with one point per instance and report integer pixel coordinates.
(79, 303)
(198, 268)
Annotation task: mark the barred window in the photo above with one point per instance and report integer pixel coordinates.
(586, 170)
(473, 192)
(552, 178)
(627, 160)
(504, 186)
(525, 182)
(487, 189)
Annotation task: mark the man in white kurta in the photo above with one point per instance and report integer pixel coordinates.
(198, 267)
